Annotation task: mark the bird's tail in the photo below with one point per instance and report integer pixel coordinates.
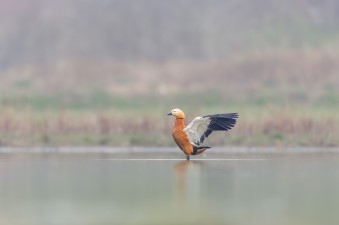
(199, 149)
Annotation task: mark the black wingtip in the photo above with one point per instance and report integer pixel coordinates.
(220, 122)
(224, 115)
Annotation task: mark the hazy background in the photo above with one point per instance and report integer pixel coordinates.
(85, 72)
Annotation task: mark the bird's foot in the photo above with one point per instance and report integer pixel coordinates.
(187, 157)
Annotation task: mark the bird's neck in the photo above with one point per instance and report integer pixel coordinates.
(179, 122)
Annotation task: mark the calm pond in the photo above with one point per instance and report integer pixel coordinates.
(162, 188)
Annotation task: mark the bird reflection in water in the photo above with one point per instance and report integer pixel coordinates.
(187, 183)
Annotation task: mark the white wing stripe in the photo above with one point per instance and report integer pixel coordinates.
(196, 129)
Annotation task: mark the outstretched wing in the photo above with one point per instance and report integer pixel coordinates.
(201, 127)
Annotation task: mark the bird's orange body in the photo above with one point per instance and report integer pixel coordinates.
(180, 136)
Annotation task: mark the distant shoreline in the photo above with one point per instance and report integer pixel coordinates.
(141, 150)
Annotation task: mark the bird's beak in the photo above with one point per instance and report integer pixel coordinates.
(169, 114)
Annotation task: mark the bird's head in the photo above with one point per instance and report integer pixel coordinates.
(177, 113)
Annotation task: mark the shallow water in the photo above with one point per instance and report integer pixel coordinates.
(137, 188)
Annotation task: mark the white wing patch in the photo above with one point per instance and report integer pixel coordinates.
(196, 129)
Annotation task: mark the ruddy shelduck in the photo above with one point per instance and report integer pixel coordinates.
(190, 137)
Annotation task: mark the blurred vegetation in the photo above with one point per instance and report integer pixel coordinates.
(276, 105)
(106, 73)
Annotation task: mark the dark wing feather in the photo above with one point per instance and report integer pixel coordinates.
(219, 122)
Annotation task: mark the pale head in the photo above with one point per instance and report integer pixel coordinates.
(177, 113)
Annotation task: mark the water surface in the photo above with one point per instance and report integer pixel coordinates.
(162, 188)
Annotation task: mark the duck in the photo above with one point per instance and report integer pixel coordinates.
(191, 137)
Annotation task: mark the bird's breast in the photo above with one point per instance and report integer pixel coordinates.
(178, 135)
(182, 141)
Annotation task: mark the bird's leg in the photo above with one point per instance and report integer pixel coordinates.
(187, 157)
